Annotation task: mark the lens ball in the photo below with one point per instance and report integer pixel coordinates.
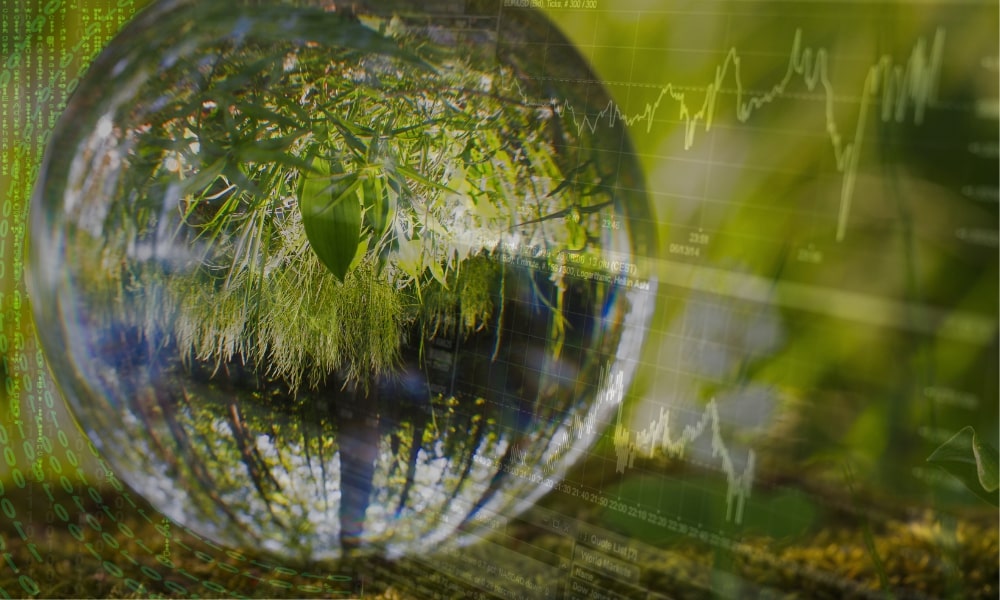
(324, 279)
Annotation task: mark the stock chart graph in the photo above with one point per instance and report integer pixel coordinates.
(699, 300)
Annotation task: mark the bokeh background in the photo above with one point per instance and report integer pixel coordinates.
(825, 181)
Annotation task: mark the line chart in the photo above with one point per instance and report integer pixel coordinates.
(610, 390)
(656, 437)
(902, 89)
(629, 445)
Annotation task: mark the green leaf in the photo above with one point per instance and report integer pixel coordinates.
(437, 272)
(408, 258)
(382, 205)
(294, 107)
(416, 176)
(972, 461)
(264, 156)
(205, 177)
(350, 137)
(262, 113)
(359, 253)
(278, 143)
(987, 464)
(331, 215)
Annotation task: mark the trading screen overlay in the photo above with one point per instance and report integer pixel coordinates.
(499, 299)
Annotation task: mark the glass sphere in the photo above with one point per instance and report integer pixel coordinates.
(326, 279)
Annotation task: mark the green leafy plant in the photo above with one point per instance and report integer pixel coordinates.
(331, 203)
(974, 462)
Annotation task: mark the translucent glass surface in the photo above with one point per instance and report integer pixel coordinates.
(324, 279)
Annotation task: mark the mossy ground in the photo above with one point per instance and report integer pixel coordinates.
(101, 551)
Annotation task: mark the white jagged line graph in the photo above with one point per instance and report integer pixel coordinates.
(629, 445)
(898, 86)
(656, 438)
(611, 390)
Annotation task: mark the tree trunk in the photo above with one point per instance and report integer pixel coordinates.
(358, 439)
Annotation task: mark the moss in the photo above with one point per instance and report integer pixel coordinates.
(922, 557)
(918, 556)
